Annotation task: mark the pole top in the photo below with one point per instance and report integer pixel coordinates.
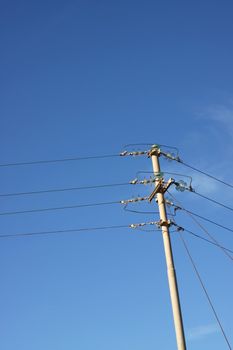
(154, 151)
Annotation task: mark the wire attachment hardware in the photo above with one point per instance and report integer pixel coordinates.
(170, 156)
(178, 228)
(134, 226)
(182, 186)
(142, 182)
(133, 200)
(134, 153)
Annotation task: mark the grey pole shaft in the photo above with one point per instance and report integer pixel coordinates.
(174, 294)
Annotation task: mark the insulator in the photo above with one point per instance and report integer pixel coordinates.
(181, 186)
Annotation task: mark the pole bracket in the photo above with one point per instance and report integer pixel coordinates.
(166, 223)
(160, 188)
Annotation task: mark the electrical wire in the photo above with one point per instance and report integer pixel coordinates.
(63, 189)
(203, 228)
(208, 220)
(62, 231)
(205, 291)
(59, 160)
(139, 211)
(39, 233)
(58, 208)
(200, 216)
(142, 212)
(204, 173)
(206, 240)
(212, 200)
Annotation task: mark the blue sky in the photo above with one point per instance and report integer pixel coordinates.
(87, 77)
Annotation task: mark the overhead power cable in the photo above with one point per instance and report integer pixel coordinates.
(204, 173)
(62, 231)
(199, 216)
(204, 229)
(205, 291)
(208, 220)
(62, 189)
(212, 200)
(39, 233)
(59, 160)
(207, 240)
(124, 201)
(58, 208)
(142, 212)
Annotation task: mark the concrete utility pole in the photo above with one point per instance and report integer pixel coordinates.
(160, 188)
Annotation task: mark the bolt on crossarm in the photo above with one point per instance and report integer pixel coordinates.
(174, 294)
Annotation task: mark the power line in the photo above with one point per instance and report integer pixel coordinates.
(199, 216)
(204, 173)
(205, 291)
(212, 200)
(132, 200)
(59, 160)
(62, 189)
(63, 231)
(98, 228)
(203, 228)
(58, 208)
(206, 240)
(143, 212)
(208, 220)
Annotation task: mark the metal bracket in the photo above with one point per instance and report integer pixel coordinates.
(166, 223)
(161, 188)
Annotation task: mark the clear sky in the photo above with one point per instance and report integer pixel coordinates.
(81, 78)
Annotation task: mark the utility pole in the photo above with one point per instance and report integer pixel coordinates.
(160, 188)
